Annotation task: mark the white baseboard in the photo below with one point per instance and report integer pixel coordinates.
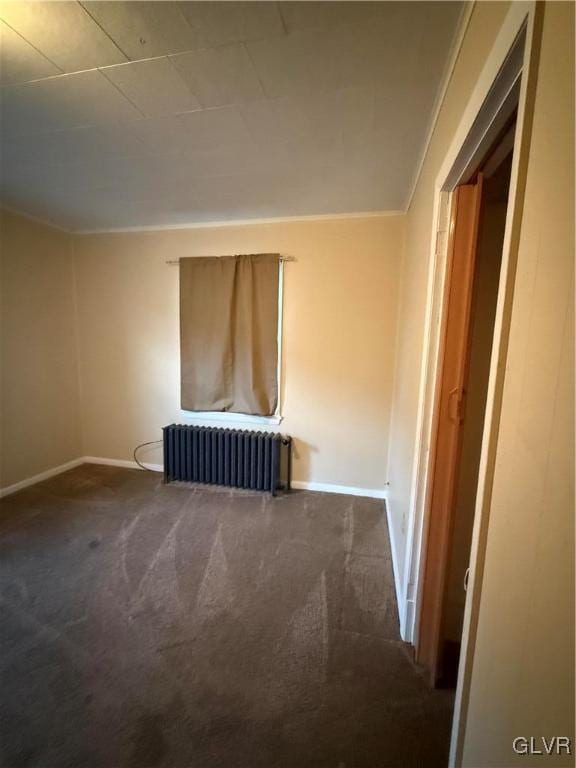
(71, 465)
(400, 597)
(40, 477)
(409, 621)
(349, 490)
(297, 484)
(121, 463)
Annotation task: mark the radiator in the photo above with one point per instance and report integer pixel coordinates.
(230, 457)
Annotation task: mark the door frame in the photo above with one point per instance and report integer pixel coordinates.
(452, 368)
(515, 52)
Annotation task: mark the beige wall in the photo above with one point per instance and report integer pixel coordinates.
(482, 30)
(39, 406)
(338, 342)
(523, 674)
(338, 349)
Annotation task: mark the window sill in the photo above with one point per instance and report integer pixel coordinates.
(223, 418)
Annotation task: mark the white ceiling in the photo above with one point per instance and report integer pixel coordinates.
(127, 114)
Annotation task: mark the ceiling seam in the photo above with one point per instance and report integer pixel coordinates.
(37, 51)
(188, 23)
(51, 77)
(121, 92)
(64, 73)
(87, 12)
(83, 71)
(282, 19)
(256, 73)
(186, 85)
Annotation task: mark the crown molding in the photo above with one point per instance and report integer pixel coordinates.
(34, 219)
(458, 40)
(239, 222)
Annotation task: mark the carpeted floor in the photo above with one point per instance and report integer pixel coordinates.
(144, 625)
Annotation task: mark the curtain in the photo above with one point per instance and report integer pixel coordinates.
(229, 333)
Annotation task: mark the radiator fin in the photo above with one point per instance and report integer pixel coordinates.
(235, 458)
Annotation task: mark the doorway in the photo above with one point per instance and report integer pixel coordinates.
(507, 86)
(477, 228)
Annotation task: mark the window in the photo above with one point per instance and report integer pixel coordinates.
(230, 313)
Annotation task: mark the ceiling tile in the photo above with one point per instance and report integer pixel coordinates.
(308, 132)
(63, 32)
(145, 29)
(76, 145)
(305, 156)
(265, 194)
(153, 86)
(67, 101)
(283, 119)
(347, 111)
(132, 174)
(17, 151)
(224, 161)
(219, 76)
(313, 60)
(339, 126)
(223, 196)
(221, 23)
(216, 128)
(19, 61)
(161, 135)
(382, 50)
(302, 62)
(304, 15)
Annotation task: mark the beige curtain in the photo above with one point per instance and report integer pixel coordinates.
(229, 333)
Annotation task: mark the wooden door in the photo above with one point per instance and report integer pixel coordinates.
(448, 418)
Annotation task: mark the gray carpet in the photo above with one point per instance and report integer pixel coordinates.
(144, 625)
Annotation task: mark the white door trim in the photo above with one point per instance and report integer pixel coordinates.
(522, 17)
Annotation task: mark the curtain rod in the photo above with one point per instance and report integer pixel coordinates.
(177, 261)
